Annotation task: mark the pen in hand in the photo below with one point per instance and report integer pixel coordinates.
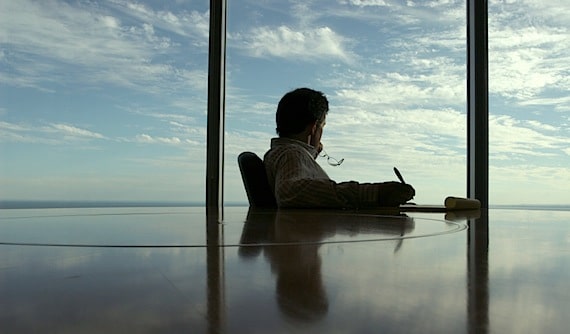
(399, 175)
(401, 178)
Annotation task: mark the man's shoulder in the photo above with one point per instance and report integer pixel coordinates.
(287, 148)
(277, 153)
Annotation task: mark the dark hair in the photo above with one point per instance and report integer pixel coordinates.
(299, 108)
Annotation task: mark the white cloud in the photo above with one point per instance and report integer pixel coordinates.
(528, 50)
(285, 42)
(512, 137)
(364, 3)
(405, 89)
(6, 126)
(14, 133)
(393, 14)
(54, 41)
(188, 24)
(148, 139)
(72, 131)
(541, 126)
(53, 134)
(560, 104)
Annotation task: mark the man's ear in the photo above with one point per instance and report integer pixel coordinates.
(313, 126)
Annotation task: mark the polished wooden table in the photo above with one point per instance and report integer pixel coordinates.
(175, 270)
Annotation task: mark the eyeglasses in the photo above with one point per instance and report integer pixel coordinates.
(331, 161)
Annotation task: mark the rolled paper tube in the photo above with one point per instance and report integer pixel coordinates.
(459, 203)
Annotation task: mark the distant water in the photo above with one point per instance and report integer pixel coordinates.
(544, 207)
(18, 204)
(14, 204)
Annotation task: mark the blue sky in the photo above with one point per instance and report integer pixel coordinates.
(106, 100)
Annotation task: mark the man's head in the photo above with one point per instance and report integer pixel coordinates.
(299, 109)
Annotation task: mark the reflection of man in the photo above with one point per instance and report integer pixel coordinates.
(297, 179)
(291, 245)
(299, 288)
(299, 285)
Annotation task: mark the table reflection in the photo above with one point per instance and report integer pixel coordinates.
(290, 240)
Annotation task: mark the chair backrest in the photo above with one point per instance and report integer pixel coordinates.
(254, 178)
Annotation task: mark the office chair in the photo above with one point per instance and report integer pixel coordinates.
(254, 178)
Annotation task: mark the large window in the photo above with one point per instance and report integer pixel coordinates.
(106, 100)
(103, 100)
(394, 72)
(529, 104)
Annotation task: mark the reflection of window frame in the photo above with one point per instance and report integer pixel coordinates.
(477, 104)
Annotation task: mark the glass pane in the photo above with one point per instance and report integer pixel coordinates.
(529, 141)
(103, 100)
(394, 73)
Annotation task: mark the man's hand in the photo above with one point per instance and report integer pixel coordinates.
(319, 147)
(395, 193)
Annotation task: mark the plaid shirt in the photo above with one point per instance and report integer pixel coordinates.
(298, 181)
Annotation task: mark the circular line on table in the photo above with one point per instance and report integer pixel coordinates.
(459, 228)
